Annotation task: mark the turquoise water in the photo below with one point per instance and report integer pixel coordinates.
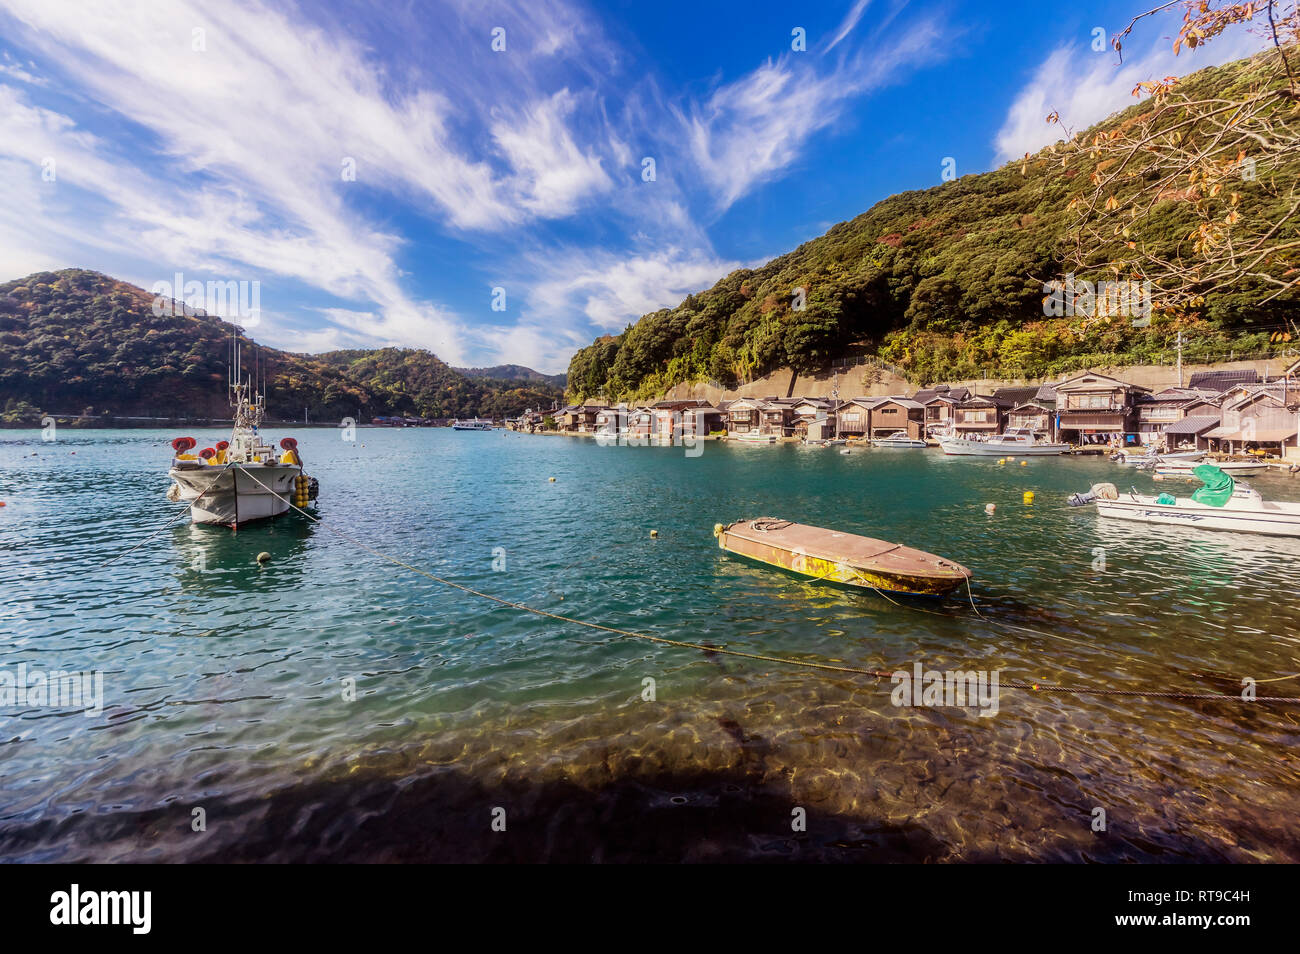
(224, 681)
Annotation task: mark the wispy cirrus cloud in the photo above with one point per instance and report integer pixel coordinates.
(200, 139)
(752, 130)
(1085, 86)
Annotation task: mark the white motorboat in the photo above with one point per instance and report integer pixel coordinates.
(1185, 468)
(243, 479)
(755, 437)
(1146, 457)
(1219, 504)
(1016, 442)
(473, 424)
(898, 439)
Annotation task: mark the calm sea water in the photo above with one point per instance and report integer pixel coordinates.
(225, 681)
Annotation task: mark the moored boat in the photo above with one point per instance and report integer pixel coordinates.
(243, 479)
(1187, 468)
(1220, 503)
(1016, 442)
(837, 557)
(1134, 458)
(755, 437)
(900, 439)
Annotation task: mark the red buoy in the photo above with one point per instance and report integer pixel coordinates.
(182, 444)
(288, 443)
(207, 453)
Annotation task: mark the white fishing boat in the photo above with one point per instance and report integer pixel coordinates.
(1219, 504)
(898, 439)
(755, 437)
(1016, 442)
(1185, 468)
(243, 479)
(473, 424)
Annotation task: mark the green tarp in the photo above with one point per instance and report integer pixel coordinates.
(1218, 485)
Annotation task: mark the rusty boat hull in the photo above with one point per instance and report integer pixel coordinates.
(845, 558)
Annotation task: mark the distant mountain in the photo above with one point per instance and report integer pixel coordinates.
(77, 339)
(946, 283)
(514, 372)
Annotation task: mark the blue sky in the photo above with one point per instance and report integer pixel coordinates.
(143, 139)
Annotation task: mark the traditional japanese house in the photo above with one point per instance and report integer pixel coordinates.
(895, 414)
(1157, 412)
(979, 416)
(668, 417)
(1258, 419)
(855, 417)
(940, 402)
(777, 417)
(1034, 416)
(703, 419)
(814, 419)
(743, 415)
(1097, 409)
(640, 423)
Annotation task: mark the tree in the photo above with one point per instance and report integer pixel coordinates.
(1197, 193)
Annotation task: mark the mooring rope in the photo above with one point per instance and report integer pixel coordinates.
(179, 514)
(779, 660)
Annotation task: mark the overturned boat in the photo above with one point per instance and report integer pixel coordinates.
(1220, 503)
(837, 557)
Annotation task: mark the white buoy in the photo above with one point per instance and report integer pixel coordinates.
(264, 557)
(989, 508)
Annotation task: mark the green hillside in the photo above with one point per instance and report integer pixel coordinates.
(944, 283)
(77, 339)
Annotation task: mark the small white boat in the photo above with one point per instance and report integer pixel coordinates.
(474, 424)
(755, 437)
(1219, 504)
(1146, 457)
(1016, 442)
(898, 439)
(1185, 468)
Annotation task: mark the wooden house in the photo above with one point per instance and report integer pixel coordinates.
(893, 414)
(979, 416)
(1096, 408)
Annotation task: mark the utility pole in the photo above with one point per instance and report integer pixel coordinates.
(1180, 359)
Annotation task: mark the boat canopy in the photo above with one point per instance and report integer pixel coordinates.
(1217, 486)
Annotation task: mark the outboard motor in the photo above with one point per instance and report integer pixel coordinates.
(1098, 491)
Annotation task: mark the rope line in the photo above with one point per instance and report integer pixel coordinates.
(165, 526)
(761, 657)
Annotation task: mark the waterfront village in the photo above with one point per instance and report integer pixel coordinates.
(1217, 411)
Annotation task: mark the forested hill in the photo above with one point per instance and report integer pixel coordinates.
(945, 283)
(76, 339)
(514, 372)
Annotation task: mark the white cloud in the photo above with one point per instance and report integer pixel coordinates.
(1085, 87)
(751, 130)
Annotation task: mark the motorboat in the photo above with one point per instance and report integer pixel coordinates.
(755, 437)
(837, 557)
(899, 439)
(1220, 503)
(1164, 467)
(1134, 458)
(1015, 442)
